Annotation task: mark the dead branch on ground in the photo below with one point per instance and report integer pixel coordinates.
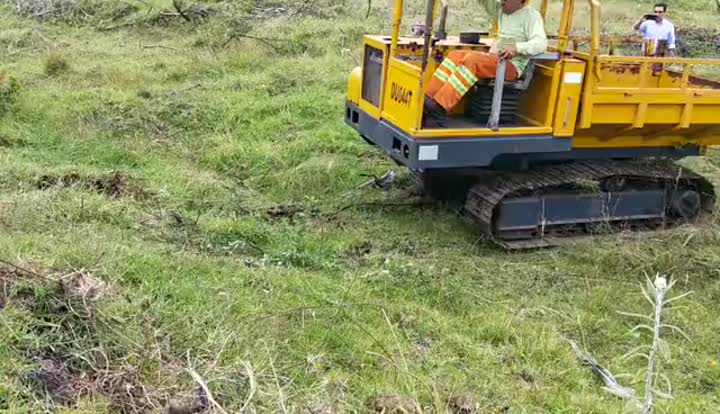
(177, 4)
(158, 47)
(265, 40)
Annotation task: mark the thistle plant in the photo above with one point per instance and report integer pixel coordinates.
(655, 352)
(659, 350)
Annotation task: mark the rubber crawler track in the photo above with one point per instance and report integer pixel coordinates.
(484, 197)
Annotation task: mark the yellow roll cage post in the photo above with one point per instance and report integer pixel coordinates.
(433, 9)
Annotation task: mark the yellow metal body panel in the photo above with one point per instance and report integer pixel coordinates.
(537, 104)
(568, 101)
(354, 88)
(408, 48)
(400, 103)
(369, 109)
(618, 136)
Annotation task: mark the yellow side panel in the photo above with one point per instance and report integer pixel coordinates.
(613, 114)
(369, 109)
(538, 101)
(657, 135)
(705, 114)
(625, 142)
(400, 103)
(354, 88)
(568, 101)
(663, 114)
(621, 75)
(642, 113)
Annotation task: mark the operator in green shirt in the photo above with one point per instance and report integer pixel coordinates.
(521, 35)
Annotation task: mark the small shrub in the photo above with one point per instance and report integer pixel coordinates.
(56, 65)
(9, 90)
(698, 42)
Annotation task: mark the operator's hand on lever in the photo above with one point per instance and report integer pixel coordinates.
(508, 52)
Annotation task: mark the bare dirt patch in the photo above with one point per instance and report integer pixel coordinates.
(289, 212)
(394, 404)
(528, 379)
(6, 141)
(197, 403)
(115, 185)
(54, 379)
(74, 364)
(423, 345)
(358, 251)
(462, 404)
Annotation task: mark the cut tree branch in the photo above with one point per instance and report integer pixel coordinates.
(26, 271)
(158, 47)
(265, 40)
(178, 7)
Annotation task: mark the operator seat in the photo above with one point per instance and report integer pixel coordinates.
(484, 99)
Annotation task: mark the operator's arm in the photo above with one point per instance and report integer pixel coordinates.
(536, 39)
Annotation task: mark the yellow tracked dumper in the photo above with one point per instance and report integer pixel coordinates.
(584, 142)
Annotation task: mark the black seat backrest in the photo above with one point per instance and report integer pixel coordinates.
(521, 84)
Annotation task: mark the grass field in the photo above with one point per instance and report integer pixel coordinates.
(138, 165)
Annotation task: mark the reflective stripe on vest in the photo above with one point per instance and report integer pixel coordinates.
(468, 76)
(448, 64)
(458, 85)
(441, 75)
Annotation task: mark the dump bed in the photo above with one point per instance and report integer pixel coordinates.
(648, 101)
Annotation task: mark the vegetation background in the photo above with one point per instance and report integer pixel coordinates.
(176, 213)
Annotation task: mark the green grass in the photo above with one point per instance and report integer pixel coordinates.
(329, 308)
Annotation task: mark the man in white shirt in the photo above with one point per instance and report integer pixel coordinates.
(658, 29)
